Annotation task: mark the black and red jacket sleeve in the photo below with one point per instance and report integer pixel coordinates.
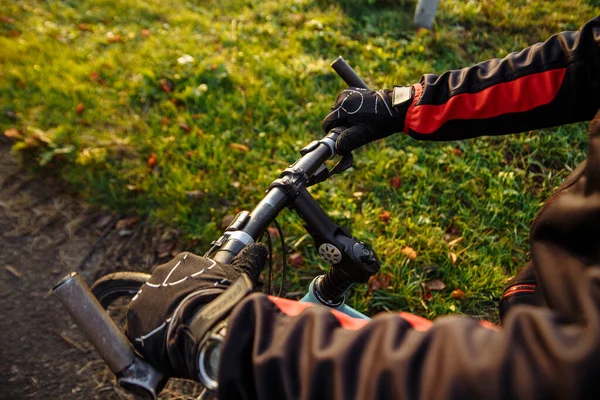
(278, 349)
(548, 84)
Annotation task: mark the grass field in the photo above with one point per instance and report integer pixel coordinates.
(186, 111)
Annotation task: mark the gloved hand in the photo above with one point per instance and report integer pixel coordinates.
(367, 115)
(177, 320)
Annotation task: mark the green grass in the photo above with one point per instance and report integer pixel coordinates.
(260, 77)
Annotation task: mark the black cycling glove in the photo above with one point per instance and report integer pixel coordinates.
(367, 115)
(184, 304)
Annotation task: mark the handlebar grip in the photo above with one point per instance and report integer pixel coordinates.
(345, 71)
(98, 328)
(132, 372)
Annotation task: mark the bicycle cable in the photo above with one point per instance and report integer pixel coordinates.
(283, 258)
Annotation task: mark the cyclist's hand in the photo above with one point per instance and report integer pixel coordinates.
(367, 115)
(179, 312)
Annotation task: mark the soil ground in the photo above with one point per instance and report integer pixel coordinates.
(46, 233)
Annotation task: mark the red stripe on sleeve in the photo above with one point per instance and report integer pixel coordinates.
(522, 94)
(418, 323)
(293, 308)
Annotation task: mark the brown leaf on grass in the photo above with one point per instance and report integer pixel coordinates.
(385, 217)
(296, 260)
(456, 241)
(94, 76)
(7, 20)
(115, 39)
(14, 33)
(396, 182)
(199, 132)
(79, 108)
(195, 194)
(13, 133)
(456, 151)
(84, 27)
(434, 284)
(167, 85)
(133, 188)
(453, 257)
(273, 231)
(152, 161)
(240, 147)
(458, 294)
(409, 252)
(146, 33)
(196, 116)
(379, 281)
(126, 223)
(191, 153)
(165, 121)
(14, 272)
(185, 126)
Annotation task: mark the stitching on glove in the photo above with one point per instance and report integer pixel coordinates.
(164, 284)
(386, 106)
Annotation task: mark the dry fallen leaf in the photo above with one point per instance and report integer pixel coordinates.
(273, 231)
(396, 182)
(456, 151)
(409, 252)
(167, 85)
(385, 217)
(79, 109)
(15, 272)
(434, 284)
(115, 39)
(165, 121)
(379, 281)
(152, 161)
(83, 27)
(455, 241)
(126, 223)
(185, 126)
(146, 33)
(133, 188)
(195, 194)
(12, 133)
(238, 146)
(453, 257)
(296, 260)
(458, 294)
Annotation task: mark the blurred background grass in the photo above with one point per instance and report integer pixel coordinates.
(186, 111)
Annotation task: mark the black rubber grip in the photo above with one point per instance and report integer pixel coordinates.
(345, 71)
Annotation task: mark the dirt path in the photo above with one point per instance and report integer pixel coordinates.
(44, 234)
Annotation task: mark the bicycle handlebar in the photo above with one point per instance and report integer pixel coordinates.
(345, 71)
(352, 261)
(132, 372)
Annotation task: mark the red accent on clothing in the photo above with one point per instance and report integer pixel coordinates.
(408, 119)
(519, 288)
(489, 325)
(294, 308)
(522, 94)
(418, 323)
